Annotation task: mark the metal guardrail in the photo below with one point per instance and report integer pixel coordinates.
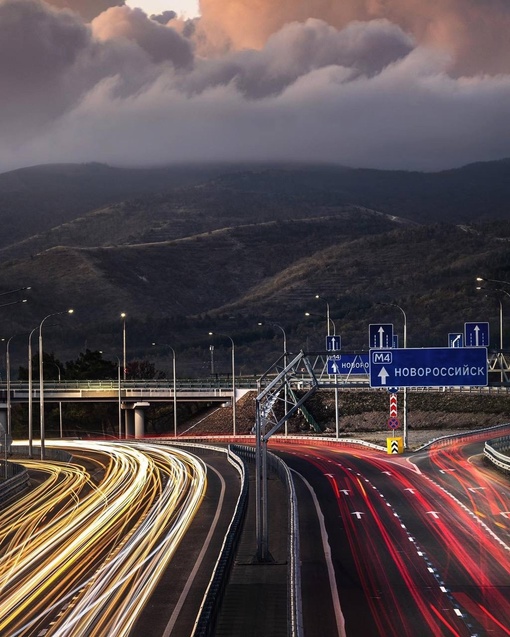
(208, 614)
(443, 441)
(209, 609)
(495, 450)
(295, 612)
(17, 480)
(242, 382)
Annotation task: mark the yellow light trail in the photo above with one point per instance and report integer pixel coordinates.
(78, 558)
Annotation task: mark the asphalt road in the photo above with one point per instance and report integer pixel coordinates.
(418, 546)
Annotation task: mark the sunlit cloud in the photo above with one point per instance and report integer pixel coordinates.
(359, 83)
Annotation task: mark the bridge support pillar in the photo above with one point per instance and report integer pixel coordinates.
(135, 419)
(129, 421)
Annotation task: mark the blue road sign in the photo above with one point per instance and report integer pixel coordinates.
(348, 364)
(428, 367)
(333, 343)
(455, 339)
(380, 335)
(476, 334)
(395, 340)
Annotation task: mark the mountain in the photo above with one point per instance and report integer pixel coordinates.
(188, 250)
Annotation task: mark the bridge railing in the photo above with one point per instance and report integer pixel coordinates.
(181, 384)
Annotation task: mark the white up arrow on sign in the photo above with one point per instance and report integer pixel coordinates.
(383, 375)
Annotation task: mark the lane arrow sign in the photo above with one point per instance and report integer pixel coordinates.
(358, 514)
(383, 375)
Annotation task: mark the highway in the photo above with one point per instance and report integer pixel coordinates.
(111, 543)
(85, 549)
(414, 546)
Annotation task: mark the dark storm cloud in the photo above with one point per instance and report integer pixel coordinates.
(88, 9)
(165, 17)
(352, 86)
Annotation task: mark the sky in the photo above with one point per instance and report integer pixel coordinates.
(187, 8)
(394, 84)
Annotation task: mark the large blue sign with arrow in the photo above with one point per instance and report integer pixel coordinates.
(429, 367)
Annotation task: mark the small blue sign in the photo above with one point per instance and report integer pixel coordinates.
(455, 339)
(429, 367)
(333, 343)
(348, 364)
(476, 334)
(380, 335)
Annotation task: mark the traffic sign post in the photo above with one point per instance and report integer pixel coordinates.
(393, 423)
(395, 445)
(380, 335)
(333, 343)
(455, 339)
(476, 334)
(429, 367)
(393, 405)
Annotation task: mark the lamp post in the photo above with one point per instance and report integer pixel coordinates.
(41, 377)
(233, 379)
(317, 296)
(16, 290)
(8, 371)
(123, 317)
(119, 397)
(329, 319)
(174, 383)
(30, 396)
(486, 289)
(480, 278)
(59, 402)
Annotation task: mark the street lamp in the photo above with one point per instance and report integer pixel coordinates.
(405, 319)
(119, 398)
(59, 402)
(41, 376)
(123, 317)
(8, 371)
(30, 396)
(317, 296)
(500, 355)
(233, 379)
(329, 319)
(480, 278)
(16, 290)
(174, 384)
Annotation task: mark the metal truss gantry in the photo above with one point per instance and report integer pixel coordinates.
(267, 422)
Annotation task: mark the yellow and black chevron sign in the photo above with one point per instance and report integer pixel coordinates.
(395, 445)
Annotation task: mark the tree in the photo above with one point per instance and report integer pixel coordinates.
(91, 366)
(143, 370)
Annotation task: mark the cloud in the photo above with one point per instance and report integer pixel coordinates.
(161, 43)
(475, 33)
(359, 83)
(88, 9)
